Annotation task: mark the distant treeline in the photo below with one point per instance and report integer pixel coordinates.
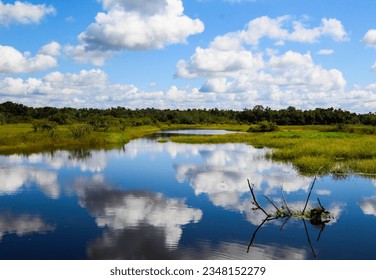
(17, 113)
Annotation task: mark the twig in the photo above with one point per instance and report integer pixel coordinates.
(255, 200)
(275, 206)
(284, 200)
(321, 230)
(322, 207)
(288, 218)
(309, 240)
(310, 191)
(255, 232)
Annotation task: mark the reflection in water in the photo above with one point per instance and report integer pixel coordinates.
(22, 225)
(13, 179)
(141, 244)
(93, 161)
(176, 201)
(368, 206)
(223, 169)
(124, 210)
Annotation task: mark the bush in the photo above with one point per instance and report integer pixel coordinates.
(263, 126)
(80, 130)
(44, 125)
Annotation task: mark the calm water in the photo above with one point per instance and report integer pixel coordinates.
(155, 200)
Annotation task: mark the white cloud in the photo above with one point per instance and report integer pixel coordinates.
(51, 49)
(374, 67)
(82, 54)
(134, 25)
(325, 52)
(23, 12)
(370, 38)
(13, 61)
(282, 79)
(277, 29)
(84, 89)
(235, 71)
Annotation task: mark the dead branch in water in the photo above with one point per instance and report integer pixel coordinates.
(251, 186)
(275, 206)
(318, 216)
(284, 200)
(310, 191)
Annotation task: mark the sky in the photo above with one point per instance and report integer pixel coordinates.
(180, 54)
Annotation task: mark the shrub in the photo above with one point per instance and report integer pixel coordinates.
(263, 126)
(80, 130)
(44, 125)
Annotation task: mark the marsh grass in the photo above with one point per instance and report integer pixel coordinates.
(308, 147)
(21, 138)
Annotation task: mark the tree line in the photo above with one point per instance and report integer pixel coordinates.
(101, 118)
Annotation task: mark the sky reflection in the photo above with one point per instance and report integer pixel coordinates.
(155, 200)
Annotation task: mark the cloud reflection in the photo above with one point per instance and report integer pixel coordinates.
(143, 244)
(85, 160)
(119, 210)
(147, 243)
(368, 206)
(14, 179)
(22, 225)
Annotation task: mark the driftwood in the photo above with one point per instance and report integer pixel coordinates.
(318, 216)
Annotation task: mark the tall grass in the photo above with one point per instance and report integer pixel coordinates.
(21, 138)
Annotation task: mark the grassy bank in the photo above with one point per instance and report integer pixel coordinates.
(21, 138)
(309, 147)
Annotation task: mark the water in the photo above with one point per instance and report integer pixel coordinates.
(155, 200)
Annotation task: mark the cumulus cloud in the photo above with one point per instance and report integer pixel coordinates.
(278, 29)
(306, 87)
(370, 38)
(286, 78)
(13, 61)
(134, 25)
(82, 54)
(23, 12)
(88, 88)
(234, 68)
(51, 49)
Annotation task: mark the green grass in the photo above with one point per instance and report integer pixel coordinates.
(20, 138)
(308, 148)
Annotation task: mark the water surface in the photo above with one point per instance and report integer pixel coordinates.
(153, 200)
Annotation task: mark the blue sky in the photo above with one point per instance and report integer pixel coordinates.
(228, 54)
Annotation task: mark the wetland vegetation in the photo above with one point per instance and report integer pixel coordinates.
(340, 142)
